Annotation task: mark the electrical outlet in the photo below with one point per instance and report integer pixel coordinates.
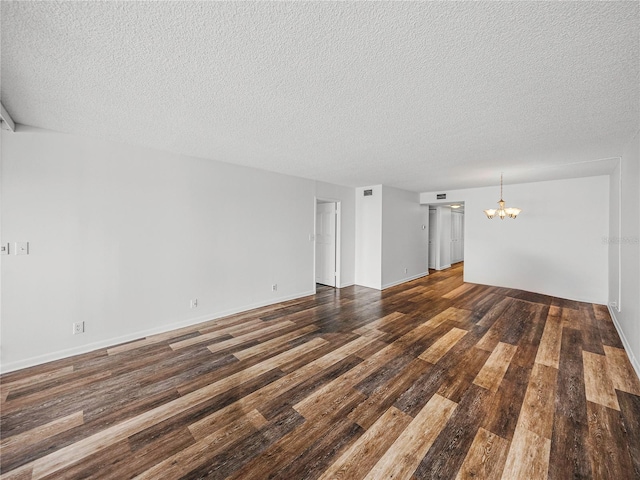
(78, 327)
(274, 287)
(194, 303)
(405, 270)
(21, 248)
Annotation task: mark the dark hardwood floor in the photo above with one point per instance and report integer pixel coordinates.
(431, 379)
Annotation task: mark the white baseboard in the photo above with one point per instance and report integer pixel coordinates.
(404, 280)
(110, 342)
(625, 342)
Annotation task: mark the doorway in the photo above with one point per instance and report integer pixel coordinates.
(327, 243)
(446, 235)
(432, 237)
(457, 233)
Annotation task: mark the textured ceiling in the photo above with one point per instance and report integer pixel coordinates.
(417, 95)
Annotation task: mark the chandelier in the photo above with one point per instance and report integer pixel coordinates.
(502, 212)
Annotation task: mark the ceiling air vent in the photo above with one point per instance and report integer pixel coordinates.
(368, 193)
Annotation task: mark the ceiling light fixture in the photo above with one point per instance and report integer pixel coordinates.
(502, 212)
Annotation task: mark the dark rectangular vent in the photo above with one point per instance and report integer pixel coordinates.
(441, 196)
(368, 193)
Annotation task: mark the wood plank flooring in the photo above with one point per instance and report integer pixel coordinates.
(432, 379)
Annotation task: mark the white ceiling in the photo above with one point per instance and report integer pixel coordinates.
(418, 95)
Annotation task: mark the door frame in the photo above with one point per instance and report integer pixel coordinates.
(338, 203)
(432, 230)
(437, 240)
(455, 212)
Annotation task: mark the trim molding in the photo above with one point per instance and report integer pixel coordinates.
(627, 347)
(482, 281)
(111, 342)
(404, 280)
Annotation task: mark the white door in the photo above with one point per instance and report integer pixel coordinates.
(326, 244)
(443, 237)
(457, 236)
(461, 241)
(432, 238)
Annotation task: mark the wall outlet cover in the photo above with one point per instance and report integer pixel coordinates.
(21, 248)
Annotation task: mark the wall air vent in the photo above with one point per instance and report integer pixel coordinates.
(368, 193)
(441, 196)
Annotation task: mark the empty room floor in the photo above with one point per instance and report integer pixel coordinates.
(434, 378)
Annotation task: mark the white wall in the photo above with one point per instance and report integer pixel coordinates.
(347, 198)
(368, 272)
(389, 237)
(624, 244)
(123, 238)
(404, 242)
(544, 250)
(614, 234)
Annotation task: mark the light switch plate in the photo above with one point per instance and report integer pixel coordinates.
(4, 249)
(21, 248)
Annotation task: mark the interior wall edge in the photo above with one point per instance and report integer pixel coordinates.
(627, 346)
(595, 301)
(405, 280)
(112, 342)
